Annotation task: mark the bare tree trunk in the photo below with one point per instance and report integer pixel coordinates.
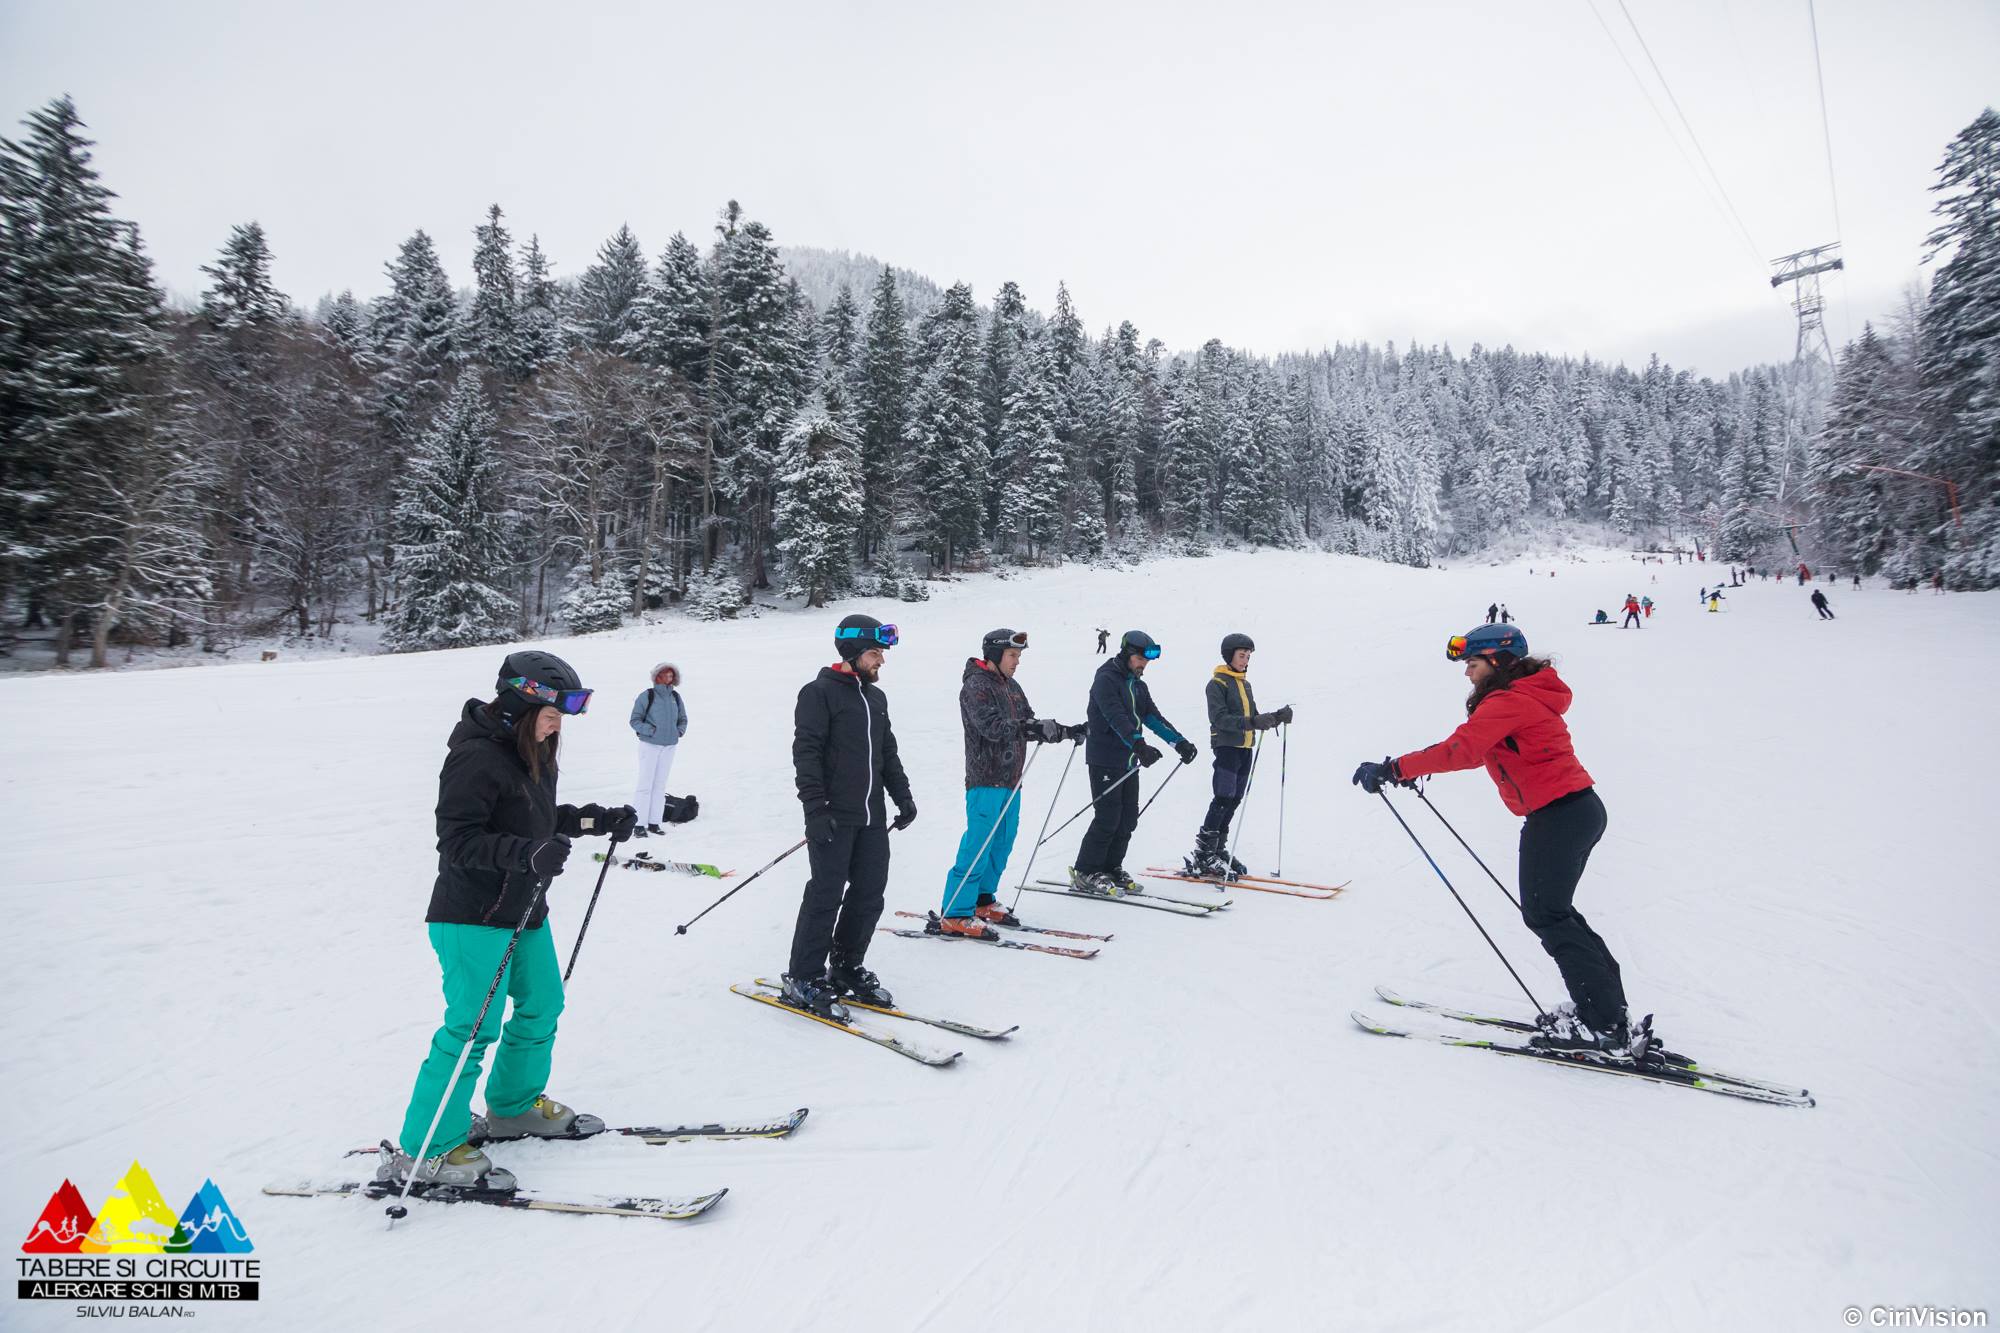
(64, 627)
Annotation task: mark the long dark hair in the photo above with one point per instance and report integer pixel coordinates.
(540, 758)
(1507, 669)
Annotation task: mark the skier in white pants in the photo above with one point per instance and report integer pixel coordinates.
(659, 719)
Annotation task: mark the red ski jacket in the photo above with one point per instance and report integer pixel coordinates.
(1519, 734)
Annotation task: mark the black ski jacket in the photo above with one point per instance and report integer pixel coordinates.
(1120, 704)
(843, 753)
(489, 813)
(992, 708)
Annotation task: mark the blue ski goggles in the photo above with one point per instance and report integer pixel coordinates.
(884, 635)
(568, 701)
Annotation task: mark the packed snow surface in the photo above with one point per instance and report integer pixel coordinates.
(215, 882)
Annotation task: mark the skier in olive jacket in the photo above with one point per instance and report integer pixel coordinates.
(1233, 721)
(844, 758)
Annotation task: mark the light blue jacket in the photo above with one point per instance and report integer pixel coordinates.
(658, 716)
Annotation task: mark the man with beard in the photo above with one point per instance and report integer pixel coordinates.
(844, 757)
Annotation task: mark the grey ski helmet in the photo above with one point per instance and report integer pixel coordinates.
(1231, 642)
(857, 633)
(998, 641)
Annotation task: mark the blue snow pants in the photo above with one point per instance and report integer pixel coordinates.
(969, 879)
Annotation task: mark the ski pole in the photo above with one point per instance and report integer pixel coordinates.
(584, 929)
(1461, 902)
(1130, 773)
(682, 930)
(1156, 793)
(997, 822)
(1054, 796)
(1243, 809)
(1468, 848)
(1284, 764)
(398, 1210)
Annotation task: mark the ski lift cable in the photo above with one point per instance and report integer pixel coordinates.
(1832, 182)
(1692, 136)
(1707, 190)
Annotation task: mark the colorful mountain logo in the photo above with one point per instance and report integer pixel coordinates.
(134, 1219)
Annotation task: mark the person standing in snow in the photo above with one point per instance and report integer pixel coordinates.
(1819, 604)
(1715, 599)
(1492, 612)
(993, 709)
(1514, 728)
(1506, 616)
(1103, 637)
(501, 839)
(659, 719)
(844, 758)
(1121, 712)
(1631, 612)
(1233, 721)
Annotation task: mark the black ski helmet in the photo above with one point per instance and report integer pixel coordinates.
(542, 668)
(1140, 642)
(998, 641)
(852, 647)
(1231, 642)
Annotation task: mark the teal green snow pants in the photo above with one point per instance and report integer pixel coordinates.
(470, 955)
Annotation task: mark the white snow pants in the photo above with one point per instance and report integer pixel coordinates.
(649, 794)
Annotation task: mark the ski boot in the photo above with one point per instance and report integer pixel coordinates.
(644, 830)
(1624, 1043)
(989, 909)
(1207, 860)
(1236, 868)
(960, 927)
(815, 995)
(1126, 884)
(546, 1119)
(848, 977)
(656, 830)
(1096, 883)
(464, 1167)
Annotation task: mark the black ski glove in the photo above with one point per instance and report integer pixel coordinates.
(1148, 756)
(1284, 715)
(1051, 730)
(575, 821)
(906, 815)
(620, 821)
(820, 826)
(1078, 731)
(1263, 721)
(1372, 777)
(681, 809)
(1186, 750)
(546, 858)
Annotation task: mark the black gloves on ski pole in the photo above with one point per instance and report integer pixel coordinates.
(1186, 750)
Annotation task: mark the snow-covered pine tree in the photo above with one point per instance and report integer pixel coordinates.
(449, 550)
(492, 332)
(838, 330)
(945, 447)
(675, 314)
(241, 293)
(759, 372)
(1859, 431)
(540, 316)
(1958, 358)
(1034, 474)
(1002, 347)
(605, 309)
(1185, 503)
(882, 412)
(819, 503)
(413, 330)
(346, 324)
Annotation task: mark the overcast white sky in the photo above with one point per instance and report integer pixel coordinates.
(1276, 175)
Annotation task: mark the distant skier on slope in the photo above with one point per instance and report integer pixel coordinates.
(1103, 637)
(993, 710)
(1492, 612)
(1121, 712)
(1233, 720)
(1819, 604)
(501, 839)
(1514, 727)
(1631, 612)
(844, 758)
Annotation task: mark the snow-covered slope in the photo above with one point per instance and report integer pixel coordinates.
(215, 880)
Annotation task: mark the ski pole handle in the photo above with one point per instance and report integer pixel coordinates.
(682, 930)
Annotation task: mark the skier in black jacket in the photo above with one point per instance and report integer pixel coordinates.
(844, 756)
(1120, 706)
(501, 839)
(1233, 720)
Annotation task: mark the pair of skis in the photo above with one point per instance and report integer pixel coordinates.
(931, 933)
(646, 861)
(1675, 1069)
(1261, 883)
(770, 993)
(667, 1209)
(1152, 901)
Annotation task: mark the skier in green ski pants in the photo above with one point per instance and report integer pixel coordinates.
(501, 839)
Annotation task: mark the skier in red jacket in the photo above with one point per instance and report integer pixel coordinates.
(1514, 728)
